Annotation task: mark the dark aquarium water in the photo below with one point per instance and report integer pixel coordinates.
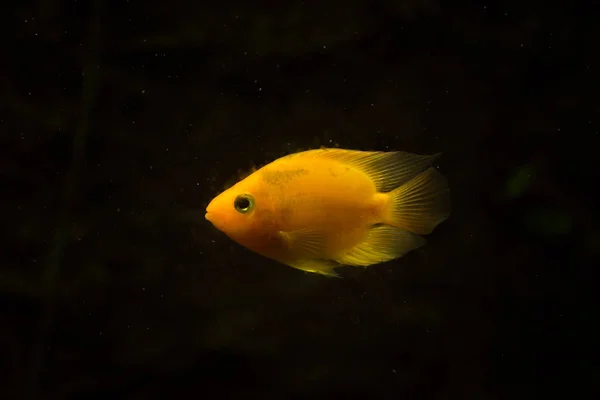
(121, 120)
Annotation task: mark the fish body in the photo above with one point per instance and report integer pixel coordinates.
(321, 209)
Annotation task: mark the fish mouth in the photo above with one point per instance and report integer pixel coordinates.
(208, 216)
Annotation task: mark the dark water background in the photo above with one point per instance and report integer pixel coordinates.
(120, 120)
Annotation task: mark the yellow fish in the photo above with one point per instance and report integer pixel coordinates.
(321, 209)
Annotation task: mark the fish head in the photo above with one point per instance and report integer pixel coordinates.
(237, 212)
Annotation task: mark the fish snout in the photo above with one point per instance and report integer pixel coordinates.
(210, 212)
(215, 216)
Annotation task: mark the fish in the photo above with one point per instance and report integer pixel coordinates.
(321, 209)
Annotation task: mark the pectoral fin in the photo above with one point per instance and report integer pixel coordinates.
(306, 248)
(304, 243)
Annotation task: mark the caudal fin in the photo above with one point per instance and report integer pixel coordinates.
(420, 204)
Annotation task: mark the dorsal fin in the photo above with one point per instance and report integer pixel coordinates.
(388, 170)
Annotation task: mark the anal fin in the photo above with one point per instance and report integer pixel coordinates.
(382, 243)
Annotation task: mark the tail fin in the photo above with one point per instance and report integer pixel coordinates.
(420, 204)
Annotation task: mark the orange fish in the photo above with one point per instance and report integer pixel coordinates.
(321, 209)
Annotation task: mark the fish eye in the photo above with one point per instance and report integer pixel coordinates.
(243, 203)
